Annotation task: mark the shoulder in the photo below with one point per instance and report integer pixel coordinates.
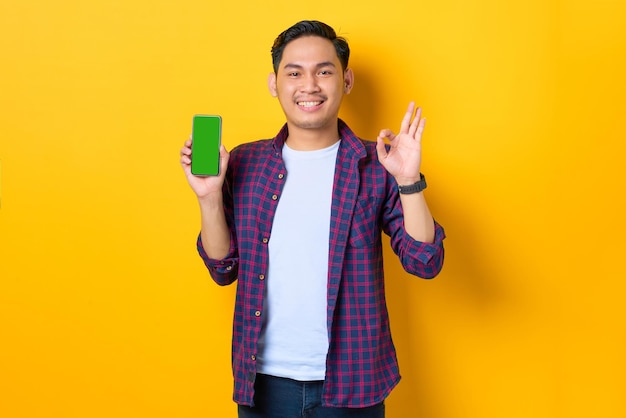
(365, 152)
(250, 152)
(355, 145)
(252, 147)
(369, 146)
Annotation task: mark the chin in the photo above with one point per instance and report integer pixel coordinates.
(309, 125)
(312, 123)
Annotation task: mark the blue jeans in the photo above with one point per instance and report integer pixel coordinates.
(277, 397)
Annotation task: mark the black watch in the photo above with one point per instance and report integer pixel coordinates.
(415, 187)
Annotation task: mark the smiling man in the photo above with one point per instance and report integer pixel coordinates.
(296, 220)
(310, 91)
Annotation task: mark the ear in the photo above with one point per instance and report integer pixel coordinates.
(271, 84)
(348, 81)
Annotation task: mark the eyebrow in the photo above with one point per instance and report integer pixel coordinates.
(319, 65)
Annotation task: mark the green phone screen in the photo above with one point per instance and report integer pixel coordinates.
(205, 148)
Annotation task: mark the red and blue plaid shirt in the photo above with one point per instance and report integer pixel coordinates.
(361, 365)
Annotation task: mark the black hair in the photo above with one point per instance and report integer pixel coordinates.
(310, 28)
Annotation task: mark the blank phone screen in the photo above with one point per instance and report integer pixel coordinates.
(205, 148)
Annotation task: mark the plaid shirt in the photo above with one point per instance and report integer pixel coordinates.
(361, 365)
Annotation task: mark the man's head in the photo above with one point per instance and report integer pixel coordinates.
(310, 79)
(310, 28)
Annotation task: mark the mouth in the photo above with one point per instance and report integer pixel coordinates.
(309, 104)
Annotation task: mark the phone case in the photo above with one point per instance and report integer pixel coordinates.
(205, 148)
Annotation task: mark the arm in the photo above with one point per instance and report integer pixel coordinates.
(418, 221)
(214, 234)
(214, 230)
(403, 162)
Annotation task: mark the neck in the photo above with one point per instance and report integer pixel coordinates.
(302, 139)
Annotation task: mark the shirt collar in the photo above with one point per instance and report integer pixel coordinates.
(348, 140)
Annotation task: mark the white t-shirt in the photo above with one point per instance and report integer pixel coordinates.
(294, 338)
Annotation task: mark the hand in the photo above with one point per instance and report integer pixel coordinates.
(204, 186)
(404, 157)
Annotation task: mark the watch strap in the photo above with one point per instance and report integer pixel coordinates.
(415, 187)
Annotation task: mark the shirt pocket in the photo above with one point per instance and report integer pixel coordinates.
(365, 230)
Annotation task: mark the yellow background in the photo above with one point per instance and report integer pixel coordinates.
(107, 311)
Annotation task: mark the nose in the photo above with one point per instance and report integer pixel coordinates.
(309, 84)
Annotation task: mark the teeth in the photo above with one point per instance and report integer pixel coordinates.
(308, 104)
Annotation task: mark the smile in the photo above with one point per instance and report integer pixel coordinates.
(309, 104)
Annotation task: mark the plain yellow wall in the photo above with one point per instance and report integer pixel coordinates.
(107, 311)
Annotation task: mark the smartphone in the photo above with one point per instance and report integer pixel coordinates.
(206, 136)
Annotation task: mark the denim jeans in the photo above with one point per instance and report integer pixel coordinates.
(277, 397)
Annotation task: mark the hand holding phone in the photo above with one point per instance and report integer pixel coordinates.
(205, 147)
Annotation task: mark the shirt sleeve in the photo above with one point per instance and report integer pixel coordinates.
(421, 259)
(223, 271)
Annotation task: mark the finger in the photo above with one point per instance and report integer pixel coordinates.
(386, 134)
(415, 123)
(406, 120)
(224, 157)
(420, 129)
(185, 153)
(380, 149)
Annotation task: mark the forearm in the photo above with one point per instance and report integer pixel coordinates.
(214, 234)
(418, 221)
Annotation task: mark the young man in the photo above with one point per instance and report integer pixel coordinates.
(297, 221)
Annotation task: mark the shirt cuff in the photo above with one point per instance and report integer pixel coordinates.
(426, 251)
(222, 266)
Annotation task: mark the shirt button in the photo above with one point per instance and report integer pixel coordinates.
(281, 175)
(274, 197)
(257, 313)
(253, 357)
(261, 276)
(265, 240)
(229, 268)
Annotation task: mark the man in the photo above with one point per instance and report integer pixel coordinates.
(297, 221)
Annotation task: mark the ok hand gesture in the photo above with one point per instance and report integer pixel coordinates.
(404, 156)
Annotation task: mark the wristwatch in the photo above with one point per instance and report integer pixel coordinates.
(415, 187)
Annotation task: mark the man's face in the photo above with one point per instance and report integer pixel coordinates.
(310, 83)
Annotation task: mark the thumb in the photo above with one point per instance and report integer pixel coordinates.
(380, 148)
(224, 157)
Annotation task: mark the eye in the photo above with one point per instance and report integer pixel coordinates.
(326, 72)
(293, 74)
